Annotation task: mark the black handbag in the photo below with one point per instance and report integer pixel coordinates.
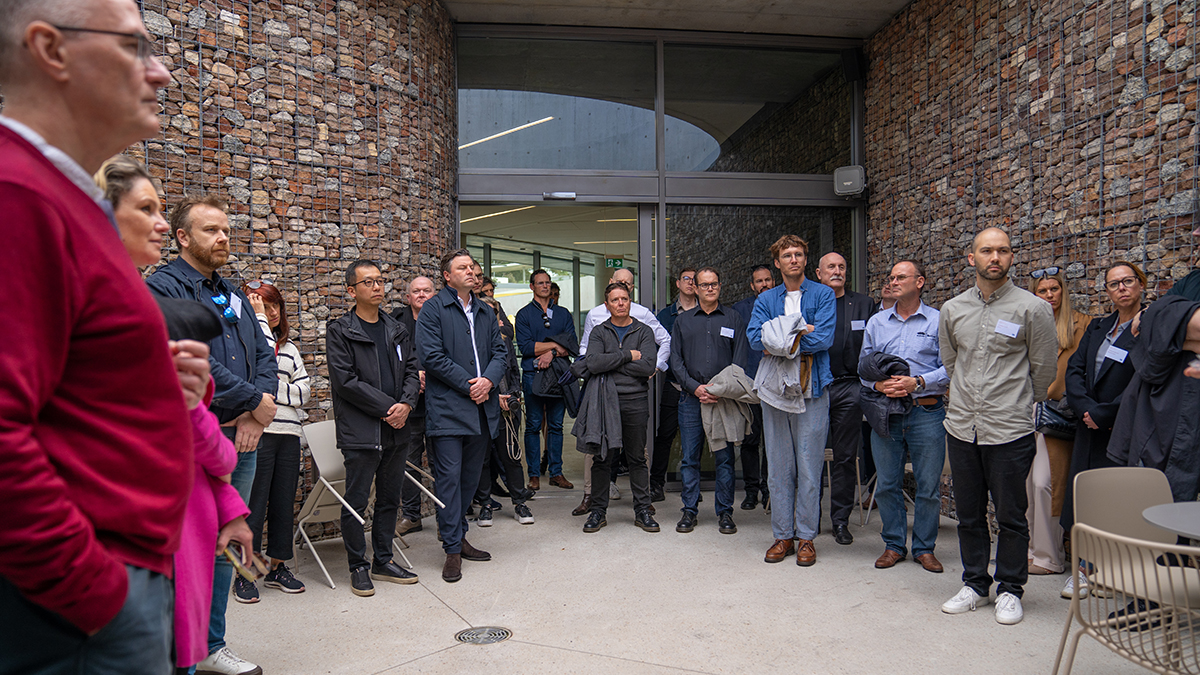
(1055, 419)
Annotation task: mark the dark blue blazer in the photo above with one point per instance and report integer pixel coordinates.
(444, 348)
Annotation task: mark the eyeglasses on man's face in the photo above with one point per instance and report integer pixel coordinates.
(709, 285)
(1123, 282)
(146, 46)
(898, 278)
(371, 283)
(687, 280)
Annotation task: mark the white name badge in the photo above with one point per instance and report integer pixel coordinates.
(858, 325)
(1116, 354)
(727, 332)
(1007, 328)
(236, 303)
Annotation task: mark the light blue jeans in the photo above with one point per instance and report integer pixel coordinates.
(795, 445)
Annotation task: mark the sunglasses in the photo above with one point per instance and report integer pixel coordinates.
(254, 570)
(1045, 272)
(545, 320)
(222, 303)
(255, 285)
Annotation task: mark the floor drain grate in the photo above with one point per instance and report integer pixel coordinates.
(483, 635)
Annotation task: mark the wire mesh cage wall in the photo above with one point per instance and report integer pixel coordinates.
(1070, 123)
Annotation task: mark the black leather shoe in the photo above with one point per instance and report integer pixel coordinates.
(726, 524)
(750, 501)
(687, 523)
(657, 493)
(393, 573)
(645, 521)
(841, 534)
(594, 522)
(360, 582)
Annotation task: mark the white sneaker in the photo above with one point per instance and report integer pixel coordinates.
(225, 662)
(1069, 588)
(1008, 609)
(966, 601)
(614, 492)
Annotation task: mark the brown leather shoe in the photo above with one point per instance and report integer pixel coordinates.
(535, 483)
(806, 554)
(562, 482)
(469, 552)
(781, 549)
(888, 559)
(584, 506)
(868, 504)
(452, 570)
(929, 562)
(405, 526)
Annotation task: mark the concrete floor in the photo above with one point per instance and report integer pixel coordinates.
(627, 601)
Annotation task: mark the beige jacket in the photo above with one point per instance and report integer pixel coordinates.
(729, 419)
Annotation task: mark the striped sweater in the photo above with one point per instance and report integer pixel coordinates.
(294, 389)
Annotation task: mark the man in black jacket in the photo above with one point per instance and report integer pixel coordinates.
(458, 337)
(420, 289)
(845, 415)
(373, 376)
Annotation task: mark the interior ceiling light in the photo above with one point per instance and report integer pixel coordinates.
(498, 213)
(627, 241)
(617, 220)
(505, 133)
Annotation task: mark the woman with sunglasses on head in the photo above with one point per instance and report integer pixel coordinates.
(1096, 377)
(278, 462)
(216, 514)
(1047, 480)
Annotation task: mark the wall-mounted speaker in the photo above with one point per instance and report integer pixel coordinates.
(849, 181)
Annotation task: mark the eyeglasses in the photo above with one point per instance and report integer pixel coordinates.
(1124, 282)
(222, 303)
(255, 285)
(687, 280)
(145, 44)
(1045, 272)
(709, 285)
(897, 278)
(373, 283)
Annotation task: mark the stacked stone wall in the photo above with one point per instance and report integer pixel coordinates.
(1071, 123)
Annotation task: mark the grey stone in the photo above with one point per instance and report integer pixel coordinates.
(299, 45)
(1076, 270)
(157, 23)
(283, 117)
(1143, 146)
(231, 143)
(197, 18)
(1135, 90)
(1120, 187)
(1159, 49)
(1092, 148)
(1171, 170)
(236, 118)
(257, 97)
(309, 156)
(277, 28)
(1170, 113)
(1179, 59)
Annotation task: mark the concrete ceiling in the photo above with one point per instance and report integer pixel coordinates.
(848, 19)
(609, 231)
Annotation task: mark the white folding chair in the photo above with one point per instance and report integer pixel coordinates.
(324, 504)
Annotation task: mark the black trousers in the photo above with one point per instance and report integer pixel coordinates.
(386, 469)
(503, 464)
(635, 414)
(668, 426)
(845, 438)
(416, 453)
(273, 495)
(1000, 470)
(754, 457)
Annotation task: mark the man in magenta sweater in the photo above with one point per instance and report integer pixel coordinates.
(95, 445)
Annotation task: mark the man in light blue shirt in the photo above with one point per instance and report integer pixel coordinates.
(909, 330)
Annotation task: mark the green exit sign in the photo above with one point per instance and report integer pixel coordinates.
(616, 263)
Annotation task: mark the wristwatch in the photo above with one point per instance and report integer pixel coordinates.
(920, 382)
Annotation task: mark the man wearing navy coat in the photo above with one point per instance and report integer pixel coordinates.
(459, 343)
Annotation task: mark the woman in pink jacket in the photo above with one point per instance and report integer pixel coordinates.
(215, 512)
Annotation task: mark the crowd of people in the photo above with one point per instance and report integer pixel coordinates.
(152, 427)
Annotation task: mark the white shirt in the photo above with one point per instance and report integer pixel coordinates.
(662, 338)
(61, 160)
(791, 302)
(468, 309)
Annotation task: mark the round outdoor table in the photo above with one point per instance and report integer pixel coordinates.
(1180, 517)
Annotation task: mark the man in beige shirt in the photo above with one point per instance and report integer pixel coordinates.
(999, 348)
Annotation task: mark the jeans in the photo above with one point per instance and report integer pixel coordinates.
(691, 431)
(796, 453)
(635, 413)
(754, 457)
(274, 494)
(459, 461)
(537, 409)
(384, 468)
(668, 426)
(242, 480)
(919, 433)
(1000, 470)
(136, 642)
(411, 494)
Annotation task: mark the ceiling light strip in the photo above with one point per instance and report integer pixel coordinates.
(505, 133)
(498, 213)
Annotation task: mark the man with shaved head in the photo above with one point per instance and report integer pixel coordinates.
(845, 416)
(97, 459)
(420, 289)
(1000, 351)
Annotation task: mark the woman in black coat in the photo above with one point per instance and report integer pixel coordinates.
(1097, 375)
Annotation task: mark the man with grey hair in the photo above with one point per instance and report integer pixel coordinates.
(97, 461)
